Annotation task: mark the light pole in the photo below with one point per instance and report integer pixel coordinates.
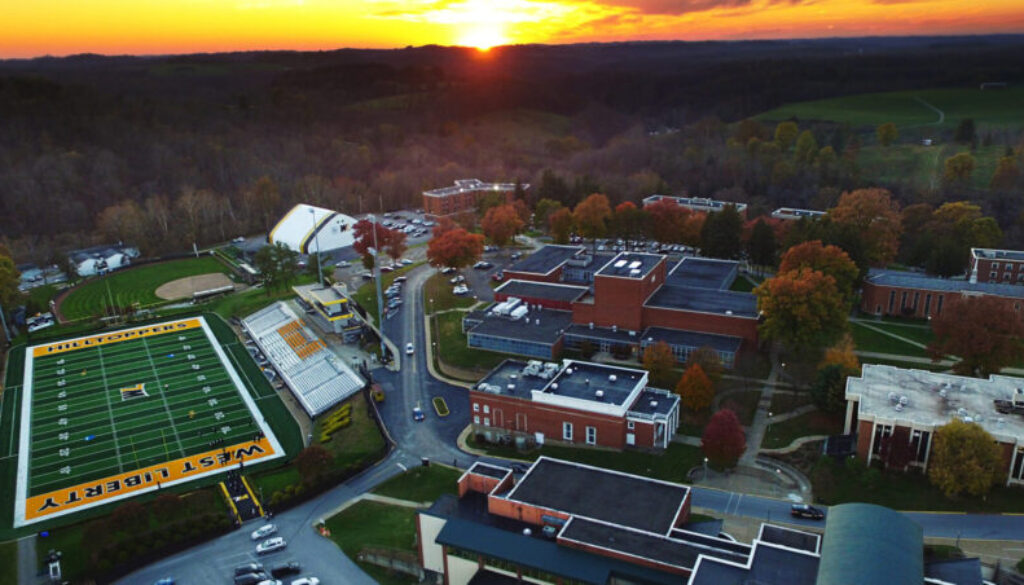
(376, 277)
(705, 469)
(769, 422)
(316, 239)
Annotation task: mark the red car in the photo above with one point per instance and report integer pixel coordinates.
(498, 276)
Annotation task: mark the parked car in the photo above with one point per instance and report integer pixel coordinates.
(344, 264)
(251, 578)
(386, 269)
(271, 545)
(457, 279)
(366, 274)
(806, 511)
(405, 262)
(482, 265)
(460, 290)
(498, 276)
(399, 279)
(285, 569)
(264, 531)
(248, 568)
(447, 270)
(516, 255)
(239, 239)
(417, 414)
(306, 581)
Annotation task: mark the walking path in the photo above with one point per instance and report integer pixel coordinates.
(942, 115)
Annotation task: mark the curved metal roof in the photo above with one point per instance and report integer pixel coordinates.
(866, 544)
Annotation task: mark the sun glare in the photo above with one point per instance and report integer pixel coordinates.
(483, 36)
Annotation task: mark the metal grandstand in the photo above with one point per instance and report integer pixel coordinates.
(318, 378)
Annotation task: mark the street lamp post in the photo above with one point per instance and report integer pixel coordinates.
(705, 469)
(316, 240)
(769, 422)
(376, 277)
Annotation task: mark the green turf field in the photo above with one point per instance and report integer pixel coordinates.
(903, 108)
(133, 285)
(101, 411)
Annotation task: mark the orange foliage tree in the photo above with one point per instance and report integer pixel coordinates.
(668, 221)
(659, 361)
(874, 214)
(560, 225)
(456, 248)
(501, 223)
(986, 333)
(802, 309)
(830, 260)
(591, 216)
(695, 389)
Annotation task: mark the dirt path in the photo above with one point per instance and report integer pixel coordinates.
(184, 287)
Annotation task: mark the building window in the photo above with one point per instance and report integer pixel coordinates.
(917, 296)
(476, 420)
(567, 431)
(903, 301)
(892, 299)
(487, 409)
(630, 425)
(881, 432)
(995, 266)
(993, 275)
(487, 421)
(938, 310)
(927, 303)
(591, 435)
(476, 407)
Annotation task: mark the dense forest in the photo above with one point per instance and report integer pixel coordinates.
(165, 151)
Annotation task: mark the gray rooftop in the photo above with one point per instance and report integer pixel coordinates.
(631, 265)
(601, 333)
(654, 402)
(990, 254)
(794, 213)
(545, 260)
(896, 278)
(584, 379)
(934, 399)
(703, 300)
(769, 566)
(703, 273)
(601, 494)
(541, 290)
(791, 538)
(697, 203)
(488, 470)
(865, 543)
(722, 343)
(466, 185)
(539, 325)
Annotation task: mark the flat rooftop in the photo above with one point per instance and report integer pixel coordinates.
(488, 470)
(653, 403)
(989, 254)
(935, 399)
(631, 265)
(698, 203)
(601, 494)
(601, 333)
(901, 279)
(541, 290)
(584, 380)
(703, 300)
(722, 343)
(466, 185)
(539, 325)
(703, 273)
(769, 565)
(791, 538)
(794, 213)
(545, 260)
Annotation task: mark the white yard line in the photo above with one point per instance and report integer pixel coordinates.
(14, 416)
(110, 410)
(163, 398)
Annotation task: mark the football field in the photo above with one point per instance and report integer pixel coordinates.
(117, 414)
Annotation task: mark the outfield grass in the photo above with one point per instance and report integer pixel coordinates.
(438, 296)
(421, 484)
(9, 562)
(446, 329)
(783, 433)
(996, 108)
(866, 339)
(133, 285)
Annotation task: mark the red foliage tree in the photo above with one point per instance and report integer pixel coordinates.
(456, 248)
(501, 223)
(396, 244)
(723, 441)
(986, 333)
(363, 232)
(668, 220)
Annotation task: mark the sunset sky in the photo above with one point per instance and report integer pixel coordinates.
(60, 27)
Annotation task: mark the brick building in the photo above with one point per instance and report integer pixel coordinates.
(1003, 266)
(617, 303)
(463, 196)
(570, 524)
(894, 409)
(912, 294)
(573, 403)
(701, 204)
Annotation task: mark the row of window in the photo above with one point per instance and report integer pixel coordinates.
(505, 345)
(591, 433)
(905, 296)
(1007, 276)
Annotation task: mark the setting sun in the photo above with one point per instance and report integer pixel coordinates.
(483, 36)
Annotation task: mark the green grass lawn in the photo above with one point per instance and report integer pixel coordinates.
(133, 285)
(742, 284)
(813, 423)
(921, 167)
(866, 339)
(9, 562)
(744, 404)
(670, 465)
(446, 329)
(357, 443)
(374, 525)
(437, 295)
(421, 484)
(786, 402)
(919, 333)
(996, 108)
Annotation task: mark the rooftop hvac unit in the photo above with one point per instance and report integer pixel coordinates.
(511, 386)
(615, 328)
(599, 394)
(728, 312)
(899, 407)
(554, 385)
(634, 272)
(635, 264)
(620, 263)
(568, 372)
(893, 397)
(968, 419)
(904, 400)
(654, 404)
(591, 325)
(611, 377)
(518, 313)
(632, 333)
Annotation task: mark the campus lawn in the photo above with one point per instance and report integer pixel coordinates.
(9, 562)
(743, 284)
(866, 339)
(369, 524)
(133, 285)
(438, 296)
(812, 423)
(446, 330)
(915, 332)
(783, 402)
(421, 484)
(744, 404)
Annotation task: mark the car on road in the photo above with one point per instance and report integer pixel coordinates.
(498, 276)
(386, 269)
(270, 582)
(239, 239)
(306, 581)
(447, 270)
(344, 264)
(366, 274)
(417, 414)
(806, 511)
(285, 569)
(405, 262)
(271, 545)
(264, 531)
(409, 349)
(399, 279)
(516, 255)
(248, 568)
(251, 578)
(456, 279)
(483, 265)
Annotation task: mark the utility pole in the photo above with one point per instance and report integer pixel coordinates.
(377, 278)
(316, 240)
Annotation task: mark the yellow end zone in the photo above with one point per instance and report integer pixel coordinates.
(145, 479)
(116, 336)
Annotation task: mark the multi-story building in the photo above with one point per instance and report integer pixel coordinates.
(794, 214)
(912, 294)
(573, 403)
(570, 524)
(463, 196)
(895, 412)
(565, 296)
(702, 204)
(1003, 266)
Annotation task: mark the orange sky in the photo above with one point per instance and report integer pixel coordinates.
(60, 27)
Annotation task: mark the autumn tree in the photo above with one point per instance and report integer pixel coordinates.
(629, 222)
(723, 440)
(396, 244)
(263, 198)
(1006, 175)
(874, 215)
(986, 333)
(501, 223)
(455, 248)
(659, 360)
(10, 279)
(591, 216)
(560, 225)
(786, 134)
(695, 389)
(830, 260)
(802, 309)
(806, 148)
(125, 222)
(312, 462)
(709, 361)
(958, 168)
(543, 210)
(668, 220)
(720, 236)
(887, 133)
(842, 354)
(964, 458)
(761, 247)
(278, 266)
